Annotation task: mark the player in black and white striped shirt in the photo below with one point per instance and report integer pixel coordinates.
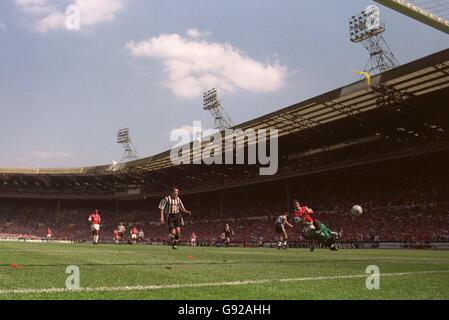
(172, 206)
(280, 224)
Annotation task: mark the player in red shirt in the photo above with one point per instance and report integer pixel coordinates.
(95, 220)
(193, 239)
(134, 233)
(302, 214)
(302, 217)
(116, 236)
(49, 234)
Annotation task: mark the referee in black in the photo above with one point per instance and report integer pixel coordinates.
(172, 206)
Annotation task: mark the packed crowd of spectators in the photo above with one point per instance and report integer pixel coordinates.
(396, 207)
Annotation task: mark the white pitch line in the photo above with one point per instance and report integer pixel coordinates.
(210, 284)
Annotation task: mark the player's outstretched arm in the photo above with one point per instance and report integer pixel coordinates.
(162, 216)
(162, 205)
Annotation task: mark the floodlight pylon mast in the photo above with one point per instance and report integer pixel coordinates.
(213, 105)
(381, 57)
(366, 28)
(130, 151)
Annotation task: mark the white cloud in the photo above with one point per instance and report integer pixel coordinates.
(193, 65)
(98, 11)
(46, 16)
(195, 33)
(55, 20)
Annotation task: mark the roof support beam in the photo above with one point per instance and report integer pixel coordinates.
(417, 13)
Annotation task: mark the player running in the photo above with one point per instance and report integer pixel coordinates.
(134, 233)
(121, 232)
(116, 237)
(280, 224)
(193, 239)
(141, 236)
(95, 220)
(49, 234)
(227, 233)
(172, 206)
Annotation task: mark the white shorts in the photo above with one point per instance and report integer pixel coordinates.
(133, 236)
(95, 227)
(48, 235)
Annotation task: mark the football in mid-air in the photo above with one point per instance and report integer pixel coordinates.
(356, 211)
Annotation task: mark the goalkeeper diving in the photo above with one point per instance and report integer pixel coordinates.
(313, 230)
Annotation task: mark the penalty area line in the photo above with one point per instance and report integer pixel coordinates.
(210, 284)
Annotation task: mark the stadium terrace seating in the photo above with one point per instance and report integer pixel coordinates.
(397, 207)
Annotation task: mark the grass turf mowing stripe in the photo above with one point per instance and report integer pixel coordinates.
(225, 262)
(195, 263)
(210, 284)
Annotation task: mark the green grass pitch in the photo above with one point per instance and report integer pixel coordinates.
(37, 271)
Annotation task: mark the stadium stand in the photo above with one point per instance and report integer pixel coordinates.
(403, 201)
(389, 143)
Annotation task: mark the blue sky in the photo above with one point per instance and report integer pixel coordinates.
(133, 63)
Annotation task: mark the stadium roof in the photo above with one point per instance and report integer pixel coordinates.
(417, 78)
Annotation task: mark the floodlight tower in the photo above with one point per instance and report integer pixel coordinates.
(124, 139)
(366, 28)
(213, 105)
